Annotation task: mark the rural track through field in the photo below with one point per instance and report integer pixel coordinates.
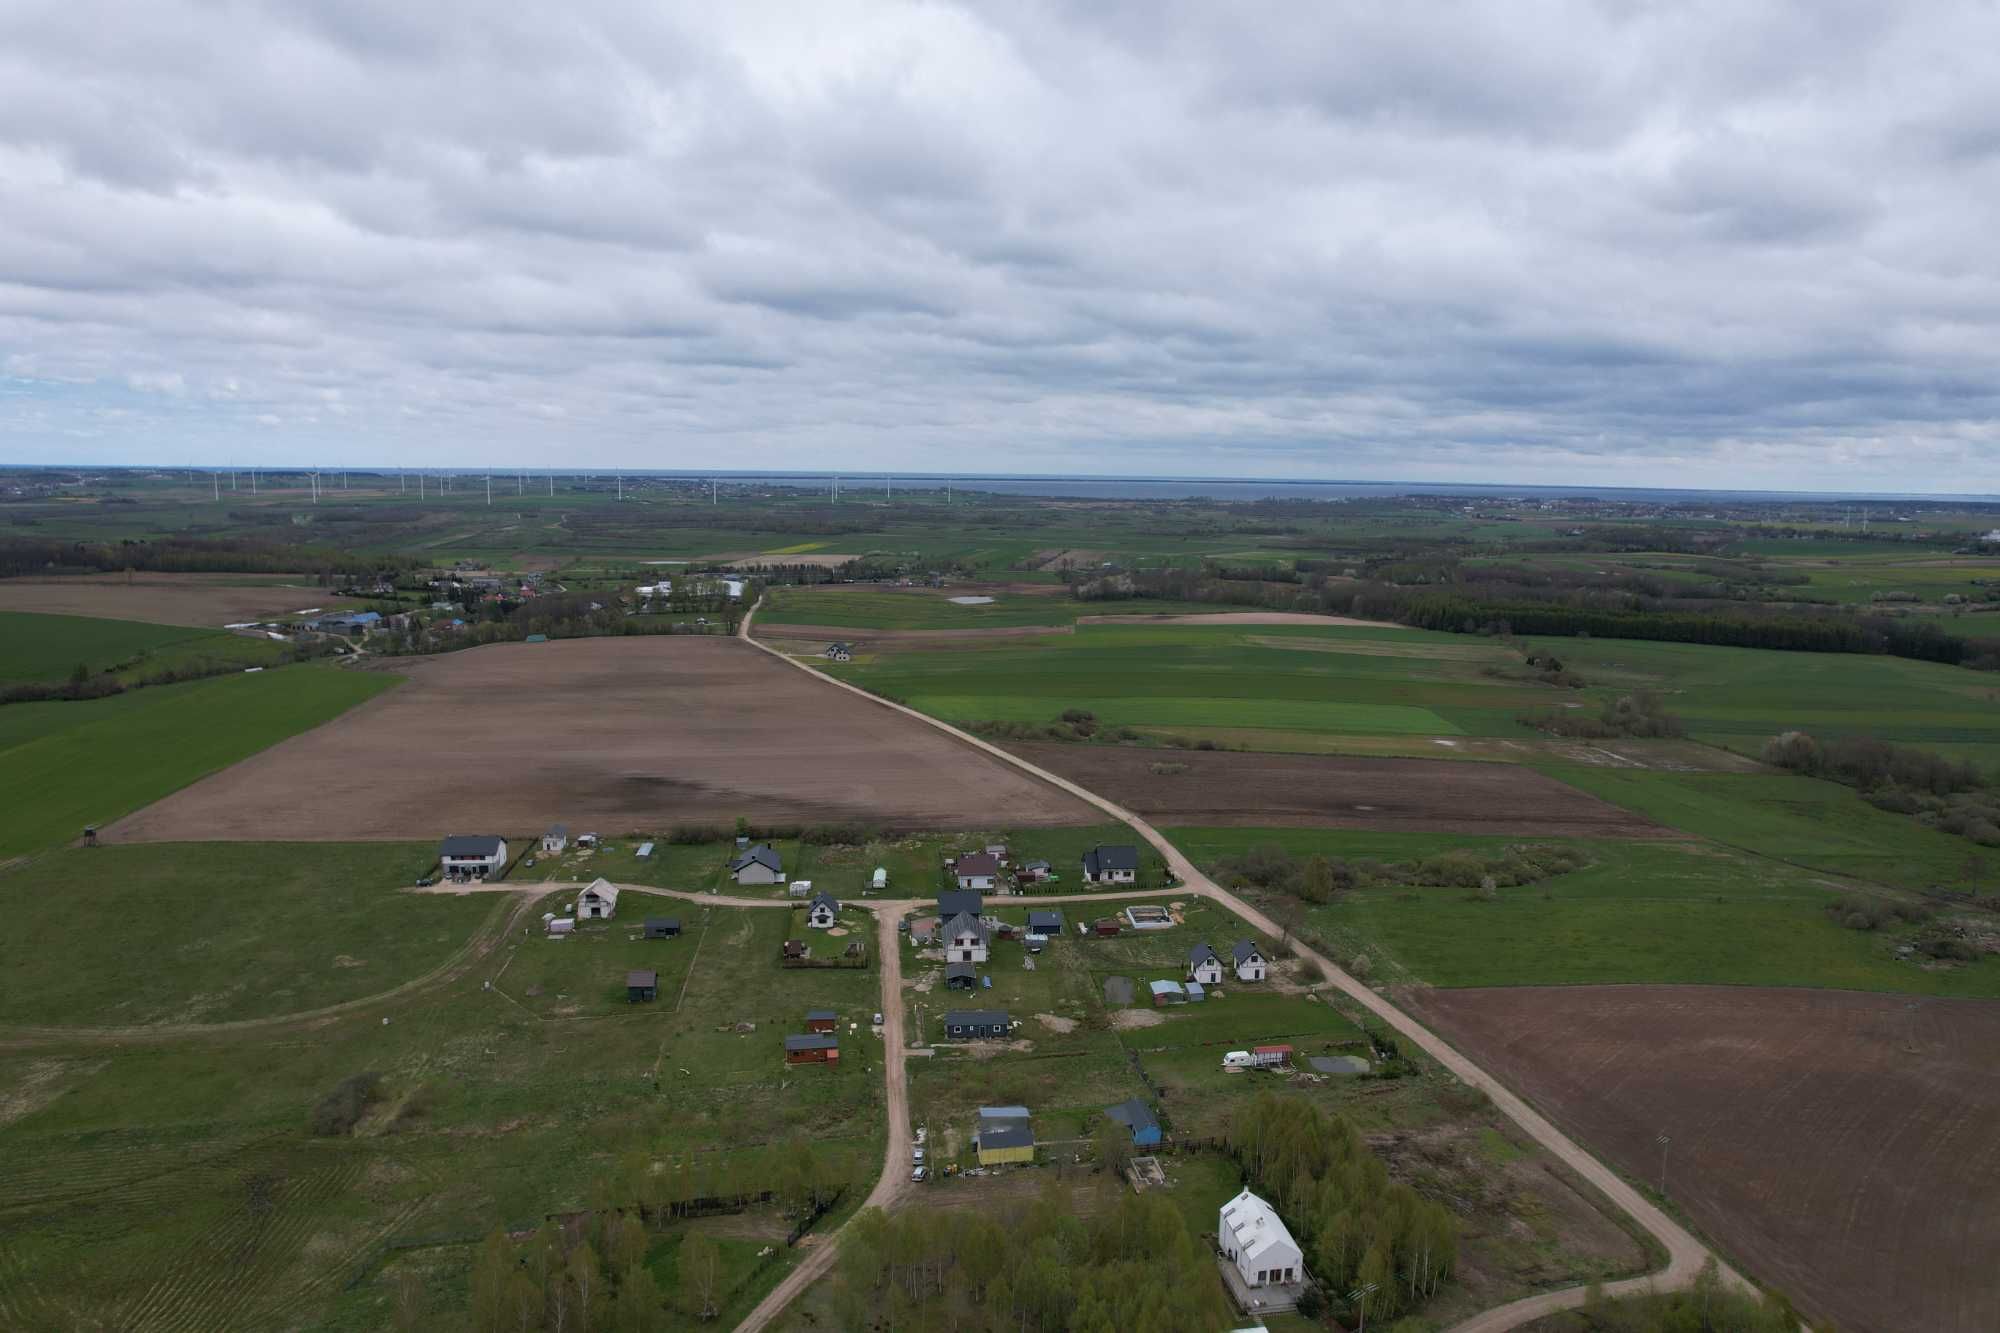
(1686, 1254)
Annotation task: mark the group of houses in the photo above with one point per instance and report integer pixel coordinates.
(1205, 966)
(992, 868)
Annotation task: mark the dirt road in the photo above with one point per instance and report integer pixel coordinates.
(1686, 1254)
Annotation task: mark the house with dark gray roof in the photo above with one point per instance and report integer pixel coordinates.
(759, 865)
(965, 938)
(960, 976)
(1204, 964)
(812, 1048)
(953, 901)
(472, 855)
(662, 927)
(1138, 1117)
(1045, 923)
(969, 1024)
(823, 911)
(555, 840)
(642, 984)
(1249, 960)
(1111, 863)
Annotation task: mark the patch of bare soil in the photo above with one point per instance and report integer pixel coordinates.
(1841, 1145)
(629, 733)
(40, 1084)
(1056, 1022)
(1334, 791)
(166, 599)
(1137, 1018)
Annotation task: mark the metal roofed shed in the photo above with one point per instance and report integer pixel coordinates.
(1138, 1117)
(662, 927)
(641, 984)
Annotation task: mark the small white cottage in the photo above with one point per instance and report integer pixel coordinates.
(1204, 965)
(823, 911)
(1249, 961)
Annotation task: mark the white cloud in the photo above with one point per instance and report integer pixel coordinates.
(1734, 243)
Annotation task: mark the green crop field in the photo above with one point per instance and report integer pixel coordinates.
(1641, 912)
(46, 648)
(65, 765)
(927, 608)
(226, 930)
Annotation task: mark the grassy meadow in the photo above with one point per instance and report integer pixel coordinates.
(36, 647)
(1665, 912)
(67, 764)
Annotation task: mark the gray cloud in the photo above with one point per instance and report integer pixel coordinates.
(1608, 242)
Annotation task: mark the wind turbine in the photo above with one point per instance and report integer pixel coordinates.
(216, 478)
(489, 490)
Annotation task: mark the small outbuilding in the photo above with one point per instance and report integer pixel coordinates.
(1168, 992)
(1138, 1117)
(662, 927)
(1004, 1140)
(974, 1024)
(823, 911)
(642, 985)
(1111, 863)
(880, 879)
(1045, 923)
(821, 1020)
(1035, 870)
(599, 902)
(960, 976)
(759, 865)
(814, 1048)
(555, 840)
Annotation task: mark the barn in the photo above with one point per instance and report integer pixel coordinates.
(599, 902)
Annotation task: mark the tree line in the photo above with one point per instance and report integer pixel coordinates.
(184, 555)
(1358, 1228)
(1132, 1267)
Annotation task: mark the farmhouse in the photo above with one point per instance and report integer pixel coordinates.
(1138, 1117)
(977, 870)
(968, 1024)
(839, 652)
(555, 840)
(759, 865)
(814, 1048)
(1006, 1138)
(1204, 965)
(1045, 923)
(1249, 961)
(662, 927)
(960, 976)
(1111, 863)
(599, 902)
(824, 911)
(950, 904)
(965, 939)
(472, 855)
(641, 985)
(821, 1020)
(1253, 1237)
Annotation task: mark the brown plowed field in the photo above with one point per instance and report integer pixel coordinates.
(204, 600)
(610, 734)
(1335, 791)
(1844, 1147)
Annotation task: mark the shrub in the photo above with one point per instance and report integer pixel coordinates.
(1948, 948)
(341, 1110)
(1359, 967)
(689, 835)
(1166, 769)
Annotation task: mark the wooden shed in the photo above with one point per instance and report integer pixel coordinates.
(641, 985)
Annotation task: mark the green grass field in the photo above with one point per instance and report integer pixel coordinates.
(65, 765)
(174, 1182)
(1641, 912)
(928, 608)
(226, 931)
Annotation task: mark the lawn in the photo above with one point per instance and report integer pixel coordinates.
(65, 765)
(1641, 912)
(225, 930)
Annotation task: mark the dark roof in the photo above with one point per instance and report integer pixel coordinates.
(470, 844)
(1134, 1114)
(760, 855)
(663, 923)
(1006, 1134)
(560, 830)
(642, 978)
(827, 1014)
(975, 1018)
(1111, 856)
(1036, 865)
(977, 863)
(953, 901)
(971, 926)
(812, 1041)
(1041, 920)
(1244, 948)
(952, 971)
(832, 902)
(1200, 954)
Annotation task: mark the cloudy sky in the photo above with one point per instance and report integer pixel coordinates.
(1725, 244)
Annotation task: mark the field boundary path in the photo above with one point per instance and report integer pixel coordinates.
(1686, 1255)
